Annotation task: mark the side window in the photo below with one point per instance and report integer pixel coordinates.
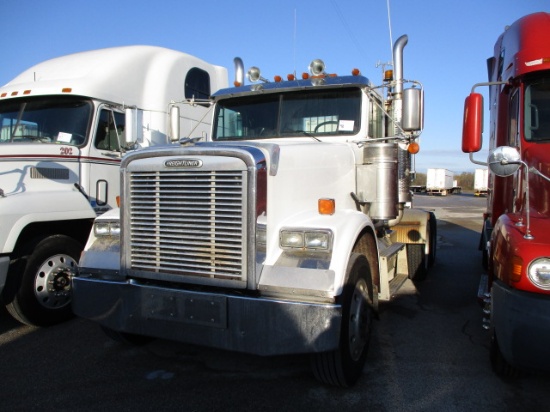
(197, 84)
(110, 130)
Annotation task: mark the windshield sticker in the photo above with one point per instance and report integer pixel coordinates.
(345, 125)
(64, 137)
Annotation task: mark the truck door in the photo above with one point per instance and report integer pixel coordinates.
(104, 181)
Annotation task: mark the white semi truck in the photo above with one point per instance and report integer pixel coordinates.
(280, 234)
(65, 125)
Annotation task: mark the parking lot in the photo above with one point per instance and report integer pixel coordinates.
(428, 353)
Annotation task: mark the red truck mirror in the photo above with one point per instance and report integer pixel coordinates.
(472, 126)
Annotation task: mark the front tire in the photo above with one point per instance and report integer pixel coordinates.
(43, 294)
(499, 364)
(343, 366)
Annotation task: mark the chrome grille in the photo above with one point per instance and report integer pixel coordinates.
(190, 223)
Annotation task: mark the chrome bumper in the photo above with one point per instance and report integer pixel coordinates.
(254, 325)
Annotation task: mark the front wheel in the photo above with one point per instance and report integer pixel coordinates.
(43, 295)
(343, 366)
(500, 365)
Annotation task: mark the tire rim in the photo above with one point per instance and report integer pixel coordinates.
(52, 284)
(358, 320)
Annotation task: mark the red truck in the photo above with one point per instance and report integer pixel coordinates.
(515, 239)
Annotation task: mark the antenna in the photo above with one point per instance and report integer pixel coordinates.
(389, 26)
(294, 41)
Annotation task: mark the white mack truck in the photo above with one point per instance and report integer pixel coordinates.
(65, 124)
(278, 235)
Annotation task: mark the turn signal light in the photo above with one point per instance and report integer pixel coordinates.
(413, 148)
(326, 206)
(517, 265)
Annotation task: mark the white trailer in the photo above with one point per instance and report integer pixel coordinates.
(439, 181)
(65, 125)
(481, 182)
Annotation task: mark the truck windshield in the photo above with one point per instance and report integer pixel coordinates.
(45, 120)
(315, 112)
(537, 110)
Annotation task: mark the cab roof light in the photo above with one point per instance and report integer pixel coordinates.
(277, 79)
(388, 75)
(290, 77)
(66, 90)
(356, 72)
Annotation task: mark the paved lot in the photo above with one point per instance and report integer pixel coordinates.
(428, 353)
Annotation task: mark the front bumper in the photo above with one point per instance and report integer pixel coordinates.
(254, 325)
(522, 326)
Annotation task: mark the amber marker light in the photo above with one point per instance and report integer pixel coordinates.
(326, 206)
(305, 76)
(237, 84)
(66, 90)
(118, 201)
(388, 75)
(413, 148)
(355, 72)
(517, 266)
(278, 79)
(290, 77)
(27, 92)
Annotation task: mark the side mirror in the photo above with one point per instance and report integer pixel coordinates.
(174, 123)
(413, 110)
(504, 161)
(472, 126)
(132, 127)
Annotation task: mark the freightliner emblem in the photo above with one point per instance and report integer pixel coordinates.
(183, 163)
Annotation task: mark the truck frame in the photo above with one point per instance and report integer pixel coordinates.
(515, 240)
(65, 125)
(280, 234)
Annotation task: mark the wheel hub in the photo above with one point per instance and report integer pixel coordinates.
(53, 281)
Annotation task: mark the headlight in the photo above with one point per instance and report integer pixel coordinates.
(539, 273)
(106, 228)
(318, 240)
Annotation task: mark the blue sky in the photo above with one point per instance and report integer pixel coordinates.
(449, 42)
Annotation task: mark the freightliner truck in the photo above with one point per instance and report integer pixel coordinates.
(515, 240)
(64, 125)
(280, 234)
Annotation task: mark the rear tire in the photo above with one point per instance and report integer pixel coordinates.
(416, 260)
(343, 366)
(42, 295)
(432, 239)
